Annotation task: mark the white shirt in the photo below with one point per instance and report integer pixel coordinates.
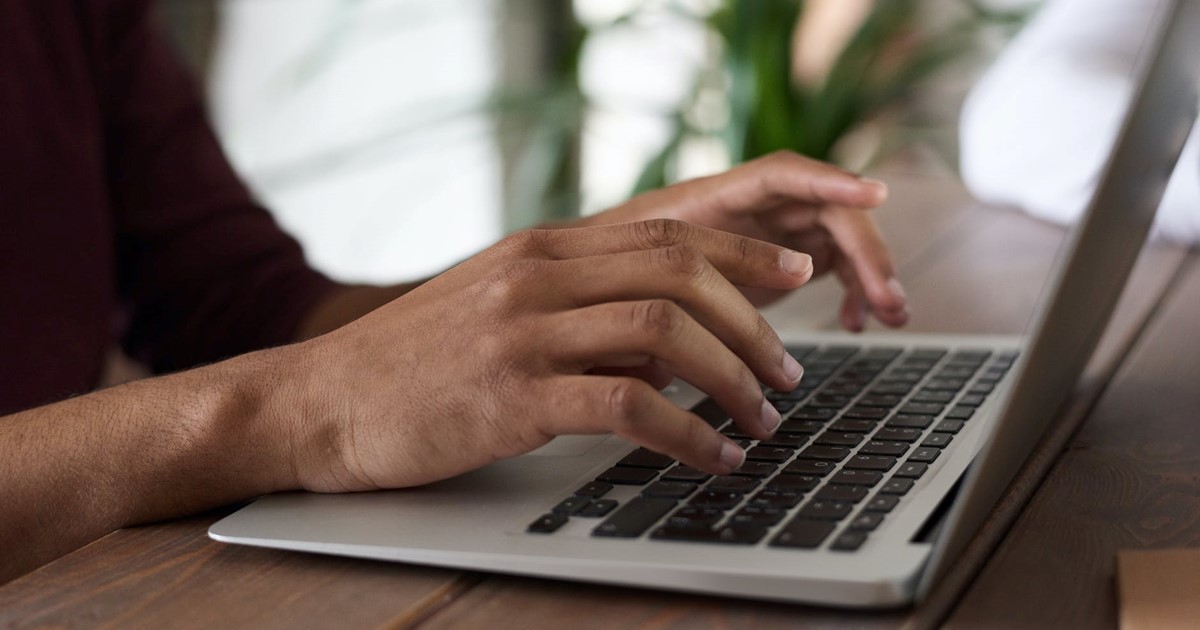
(1036, 130)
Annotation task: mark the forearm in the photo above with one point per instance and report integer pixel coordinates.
(346, 304)
(76, 470)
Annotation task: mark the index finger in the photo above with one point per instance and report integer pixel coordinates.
(862, 245)
(744, 261)
(785, 177)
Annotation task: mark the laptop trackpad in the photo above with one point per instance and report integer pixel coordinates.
(570, 446)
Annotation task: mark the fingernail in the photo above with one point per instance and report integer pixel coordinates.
(880, 188)
(796, 263)
(770, 417)
(897, 289)
(791, 367)
(732, 455)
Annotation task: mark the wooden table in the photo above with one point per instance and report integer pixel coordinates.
(1129, 478)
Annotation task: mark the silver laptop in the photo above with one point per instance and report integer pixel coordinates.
(866, 495)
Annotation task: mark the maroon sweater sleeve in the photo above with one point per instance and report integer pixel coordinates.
(204, 271)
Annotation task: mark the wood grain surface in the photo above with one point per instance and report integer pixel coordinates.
(1129, 479)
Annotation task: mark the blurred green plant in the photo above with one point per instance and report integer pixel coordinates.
(889, 56)
(887, 60)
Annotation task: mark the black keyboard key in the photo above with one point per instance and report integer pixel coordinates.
(710, 412)
(803, 427)
(969, 354)
(594, 490)
(758, 470)
(911, 470)
(783, 440)
(784, 406)
(881, 447)
(865, 478)
(853, 426)
(646, 458)
(959, 371)
(810, 413)
(686, 473)
(883, 401)
(930, 396)
(732, 483)
(960, 412)
(571, 505)
(699, 517)
(833, 438)
(777, 499)
(825, 510)
(803, 534)
(740, 534)
(626, 476)
(736, 433)
(795, 395)
(800, 351)
(825, 453)
(948, 426)
(972, 400)
(924, 454)
(897, 434)
(849, 541)
(882, 503)
(828, 401)
(905, 421)
(927, 353)
(866, 413)
(769, 454)
(598, 508)
(922, 409)
(760, 515)
(547, 524)
(866, 521)
(938, 440)
(945, 384)
(633, 518)
(669, 489)
(981, 388)
(717, 499)
(897, 486)
(817, 468)
(813, 377)
(847, 494)
(886, 353)
(898, 389)
(871, 462)
(793, 483)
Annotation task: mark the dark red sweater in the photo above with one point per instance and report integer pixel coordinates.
(120, 219)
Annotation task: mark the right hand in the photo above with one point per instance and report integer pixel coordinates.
(549, 332)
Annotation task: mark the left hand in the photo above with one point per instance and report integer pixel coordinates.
(802, 204)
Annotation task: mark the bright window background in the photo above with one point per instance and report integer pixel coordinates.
(351, 119)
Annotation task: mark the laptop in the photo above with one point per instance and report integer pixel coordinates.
(893, 450)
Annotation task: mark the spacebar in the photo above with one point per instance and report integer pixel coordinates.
(634, 517)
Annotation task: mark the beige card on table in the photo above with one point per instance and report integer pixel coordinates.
(1159, 589)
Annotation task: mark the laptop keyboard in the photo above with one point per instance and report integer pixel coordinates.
(861, 428)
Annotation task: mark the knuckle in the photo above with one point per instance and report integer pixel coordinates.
(745, 250)
(508, 282)
(524, 242)
(659, 318)
(659, 233)
(626, 399)
(683, 260)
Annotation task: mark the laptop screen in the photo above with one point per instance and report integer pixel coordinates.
(1091, 272)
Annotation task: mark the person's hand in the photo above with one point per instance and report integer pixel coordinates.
(549, 332)
(803, 204)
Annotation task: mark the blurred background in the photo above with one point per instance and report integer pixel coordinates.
(397, 137)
